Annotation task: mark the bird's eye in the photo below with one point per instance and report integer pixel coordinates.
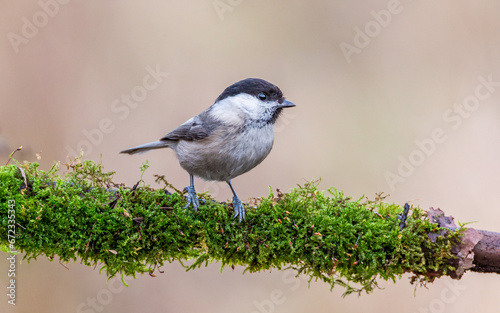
(262, 96)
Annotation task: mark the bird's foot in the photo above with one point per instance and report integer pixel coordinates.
(191, 198)
(239, 210)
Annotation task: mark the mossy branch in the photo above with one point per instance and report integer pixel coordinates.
(323, 234)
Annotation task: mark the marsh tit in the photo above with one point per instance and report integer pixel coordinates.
(228, 139)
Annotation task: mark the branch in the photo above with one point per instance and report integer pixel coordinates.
(477, 250)
(487, 251)
(323, 234)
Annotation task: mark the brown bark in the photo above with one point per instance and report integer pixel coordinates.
(487, 253)
(478, 251)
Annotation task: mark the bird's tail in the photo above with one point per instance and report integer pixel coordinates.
(146, 147)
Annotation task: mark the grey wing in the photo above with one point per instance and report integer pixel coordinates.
(196, 128)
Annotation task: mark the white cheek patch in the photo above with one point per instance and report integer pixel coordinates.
(236, 109)
(226, 114)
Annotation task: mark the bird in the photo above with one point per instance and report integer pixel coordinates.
(231, 137)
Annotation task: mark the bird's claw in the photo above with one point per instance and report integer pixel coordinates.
(191, 198)
(239, 210)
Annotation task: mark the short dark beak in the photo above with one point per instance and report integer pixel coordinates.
(287, 104)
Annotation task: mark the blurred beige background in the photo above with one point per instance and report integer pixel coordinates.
(373, 81)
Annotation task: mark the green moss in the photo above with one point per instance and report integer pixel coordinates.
(323, 234)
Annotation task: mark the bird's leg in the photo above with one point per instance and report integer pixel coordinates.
(239, 210)
(191, 196)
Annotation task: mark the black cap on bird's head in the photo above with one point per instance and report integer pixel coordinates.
(258, 88)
